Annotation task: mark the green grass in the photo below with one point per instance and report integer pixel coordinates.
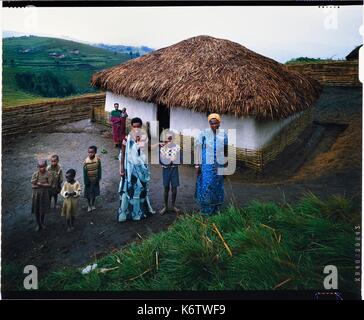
(270, 243)
(77, 69)
(304, 60)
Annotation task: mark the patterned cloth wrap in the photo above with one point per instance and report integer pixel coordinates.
(118, 121)
(133, 186)
(209, 192)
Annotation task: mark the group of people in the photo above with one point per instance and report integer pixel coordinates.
(47, 184)
(211, 149)
(47, 181)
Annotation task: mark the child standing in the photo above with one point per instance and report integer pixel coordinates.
(92, 177)
(123, 117)
(41, 184)
(57, 179)
(71, 192)
(170, 158)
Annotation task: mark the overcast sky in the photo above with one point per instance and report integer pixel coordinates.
(277, 32)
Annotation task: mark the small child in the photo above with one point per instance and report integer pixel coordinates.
(170, 158)
(92, 177)
(57, 177)
(123, 117)
(71, 192)
(41, 184)
(123, 113)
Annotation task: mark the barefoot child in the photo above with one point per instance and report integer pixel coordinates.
(41, 184)
(57, 178)
(71, 192)
(170, 159)
(92, 177)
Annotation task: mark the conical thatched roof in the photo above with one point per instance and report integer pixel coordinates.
(206, 74)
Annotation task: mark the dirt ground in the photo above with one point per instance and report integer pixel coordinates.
(329, 162)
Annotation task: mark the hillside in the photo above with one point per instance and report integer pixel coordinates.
(70, 61)
(130, 50)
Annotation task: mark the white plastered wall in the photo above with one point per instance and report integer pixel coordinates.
(250, 133)
(143, 110)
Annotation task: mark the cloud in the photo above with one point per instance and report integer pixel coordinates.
(278, 32)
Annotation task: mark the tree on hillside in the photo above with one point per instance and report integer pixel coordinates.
(46, 84)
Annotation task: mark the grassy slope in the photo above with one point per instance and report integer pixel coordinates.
(78, 69)
(270, 244)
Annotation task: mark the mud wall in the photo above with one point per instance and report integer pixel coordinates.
(40, 116)
(343, 73)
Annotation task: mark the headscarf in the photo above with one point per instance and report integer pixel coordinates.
(214, 116)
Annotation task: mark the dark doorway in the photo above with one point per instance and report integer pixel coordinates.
(163, 116)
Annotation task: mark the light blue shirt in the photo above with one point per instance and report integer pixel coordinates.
(212, 145)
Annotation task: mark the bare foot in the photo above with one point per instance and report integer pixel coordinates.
(176, 210)
(163, 211)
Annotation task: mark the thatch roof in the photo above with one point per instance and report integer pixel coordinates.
(206, 74)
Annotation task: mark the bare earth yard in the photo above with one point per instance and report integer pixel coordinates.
(328, 163)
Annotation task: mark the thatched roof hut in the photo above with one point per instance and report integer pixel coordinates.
(206, 74)
(256, 95)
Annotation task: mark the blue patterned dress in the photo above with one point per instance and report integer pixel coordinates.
(133, 187)
(210, 184)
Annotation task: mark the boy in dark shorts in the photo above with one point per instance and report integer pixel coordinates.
(57, 179)
(92, 177)
(170, 160)
(41, 184)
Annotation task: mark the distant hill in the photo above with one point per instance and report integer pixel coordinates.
(8, 34)
(72, 62)
(131, 50)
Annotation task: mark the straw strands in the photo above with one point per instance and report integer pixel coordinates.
(207, 74)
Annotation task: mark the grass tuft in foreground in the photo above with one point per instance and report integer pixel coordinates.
(263, 246)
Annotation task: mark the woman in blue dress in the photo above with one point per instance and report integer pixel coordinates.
(211, 147)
